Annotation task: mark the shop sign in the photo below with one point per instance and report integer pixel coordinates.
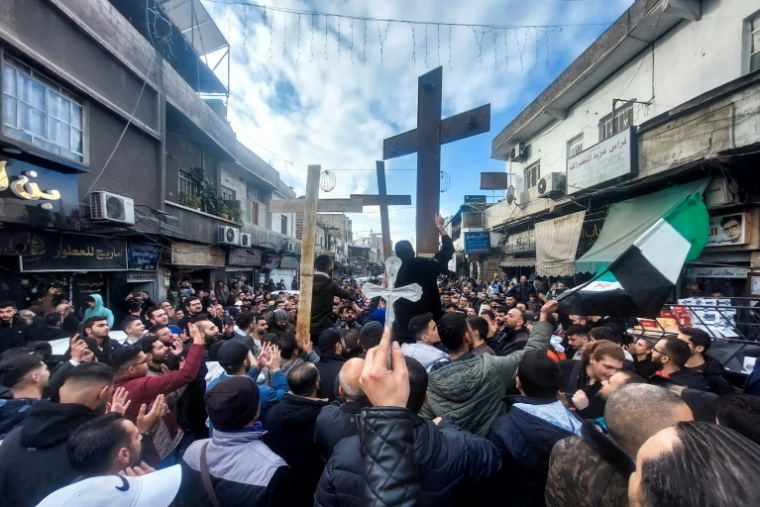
(73, 252)
(193, 254)
(245, 257)
(272, 261)
(477, 242)
(711, 272)
(289, 263)
(475, 199)
(143, 256)
(25, 187)
(728, 230)
(611, 159)
(523, 242)
(710, 316)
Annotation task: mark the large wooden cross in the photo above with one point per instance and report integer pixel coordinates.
(310, 206)
(426, 141)
(383, 200)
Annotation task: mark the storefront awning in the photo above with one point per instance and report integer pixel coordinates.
(628, 220)
(518, 263)
(557, 244)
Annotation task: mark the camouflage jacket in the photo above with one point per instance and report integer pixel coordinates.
(588, 471)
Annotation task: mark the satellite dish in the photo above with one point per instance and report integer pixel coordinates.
(510, 194)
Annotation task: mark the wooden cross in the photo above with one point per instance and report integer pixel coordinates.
(426, 141)
(383, 200)
(309, 206)
(412, 292)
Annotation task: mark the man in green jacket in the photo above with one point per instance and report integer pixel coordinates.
(469, 389)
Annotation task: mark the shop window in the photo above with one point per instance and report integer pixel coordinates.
(753, 28)
(575, 146)
(228, 194)
(255, 213)
(283, 224)
(609, 125)
(532, 175)
(40, 113)
(186, 183)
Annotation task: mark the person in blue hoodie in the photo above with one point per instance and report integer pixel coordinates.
(526, 434)
(97, 308)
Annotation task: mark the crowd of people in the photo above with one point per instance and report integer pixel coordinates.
(478, 391)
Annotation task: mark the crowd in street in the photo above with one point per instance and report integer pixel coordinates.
(212, 399)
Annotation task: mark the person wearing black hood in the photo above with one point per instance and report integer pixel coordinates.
(424, 272)
(290, 430)
(33, 460)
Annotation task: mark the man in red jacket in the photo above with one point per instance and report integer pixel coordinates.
(131, 365)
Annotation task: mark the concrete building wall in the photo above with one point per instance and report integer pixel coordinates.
(691, 59)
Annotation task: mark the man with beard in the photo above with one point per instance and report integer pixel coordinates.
(333, 356)
(348, 318)
(522, 290)
(670, 355)
(699, 342)
(517, 333)
(33, 461)
(424, 272)
(96, 331)
(193, 308)
(277, 323)
(106, 445)
(12, 327)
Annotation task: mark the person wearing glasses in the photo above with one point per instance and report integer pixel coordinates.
(670, 355)
(133, 383)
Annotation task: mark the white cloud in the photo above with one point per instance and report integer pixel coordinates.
(341, 112)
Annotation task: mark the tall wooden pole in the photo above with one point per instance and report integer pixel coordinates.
(385, 226)
(308, 243)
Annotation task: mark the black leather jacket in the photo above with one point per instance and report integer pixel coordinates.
(387, 442)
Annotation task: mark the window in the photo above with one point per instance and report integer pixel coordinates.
(228, 194)
(754, 42)
(255, 213)
(283, 224)
(574, 146)
(532, 175)
(609, 126)
(40, 113)
(186, 183)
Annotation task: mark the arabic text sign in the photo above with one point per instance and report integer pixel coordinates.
(522, 242)
(715, 272)
(143, 256)
(73, 252)
(477, 242)
(728, 230)
(608, 160)
(28, 191)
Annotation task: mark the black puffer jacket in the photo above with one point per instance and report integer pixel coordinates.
(290, 434)
(336, 421)
(452, 463)
(521, 292)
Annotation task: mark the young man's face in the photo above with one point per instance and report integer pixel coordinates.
(641, 347)
(500, 318)
(158, 352)
(577, 341)
(91, 303)
(606, 367)
(262, 327)
(513, 320)
(137, 328)
(7, 313)
(733, 230)
(687, 339)
(99, 329)
(159, 317)
(470, 312)
(510, 301)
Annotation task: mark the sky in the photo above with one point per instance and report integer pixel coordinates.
(300, 97)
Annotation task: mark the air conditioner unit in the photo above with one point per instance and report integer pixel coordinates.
(290, 246)
(110, 207)
(523, 197)
(227, 235)
(551, 184)
(245, 240)
(518, 153)
(722, 192)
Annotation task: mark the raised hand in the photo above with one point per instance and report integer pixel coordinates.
(384, 387)
(147, 419)
(274, 360)
(119, 401)
(176, 347)
(78, 348)
(137, 471)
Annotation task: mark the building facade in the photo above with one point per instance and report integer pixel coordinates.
(116, 176)
(668, 95)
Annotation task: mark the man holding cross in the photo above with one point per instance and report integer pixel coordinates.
(325, 289)
(424, 272)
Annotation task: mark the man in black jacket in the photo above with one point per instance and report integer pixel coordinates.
(424, 272)
(290, 430)
(670, 355)
(96, 336)
(325, 289)
(699, 342)
(535, 421)
(33, 461)
(12, 327)
(445, 456)
(332, 357)
(339, 419)
(522, 290)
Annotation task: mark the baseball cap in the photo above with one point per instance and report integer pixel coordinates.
(231, 354)
(156, 489)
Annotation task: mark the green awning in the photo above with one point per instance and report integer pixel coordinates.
(628, 220)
